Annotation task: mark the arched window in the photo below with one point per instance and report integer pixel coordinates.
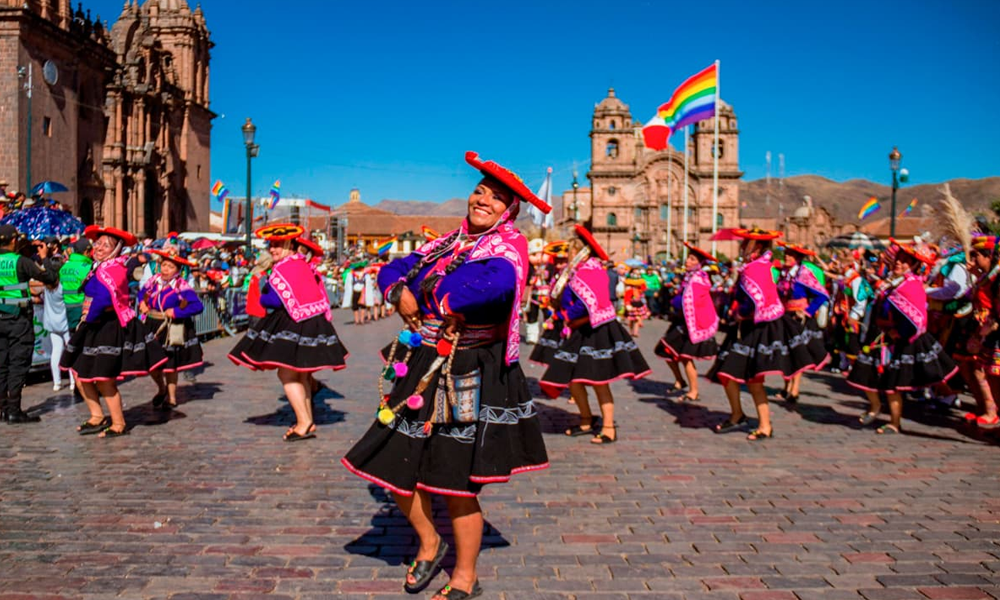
(611, 125)
(612, 220)
(722, 148)
(719, 220)
(664, 212)
(612, 149)
(638, 215)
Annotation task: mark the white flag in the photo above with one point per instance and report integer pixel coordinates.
(545, 193)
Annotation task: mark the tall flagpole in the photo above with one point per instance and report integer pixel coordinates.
(715, 167)
(670, 214)
(685, 228)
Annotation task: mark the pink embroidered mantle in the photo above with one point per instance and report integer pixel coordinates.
(113, 276)
(295, 282)
(590, 284)
(700, 317)
(910, 299)
(756, 280)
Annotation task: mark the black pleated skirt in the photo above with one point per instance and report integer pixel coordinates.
(595, 356)
(278, 341)
(903, 366)
(676, 344)
(754, 350)
(179, 358)
(457, 458)
(103, 350)
(547, 343)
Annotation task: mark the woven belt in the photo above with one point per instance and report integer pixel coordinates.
(472, 336)
(155, 314)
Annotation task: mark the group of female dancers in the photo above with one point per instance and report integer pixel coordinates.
(453, 411)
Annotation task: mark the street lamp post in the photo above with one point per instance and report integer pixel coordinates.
(576, 207)
(894, 158)
(249, 131)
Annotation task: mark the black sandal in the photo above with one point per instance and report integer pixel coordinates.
(425, 570)
(757, 435)
(689, 398)
(295, 436)
(578, 430)
(108, 432)
(605, 439)
(159, 400)
(727, 426)
(88, 428)
(457, 594)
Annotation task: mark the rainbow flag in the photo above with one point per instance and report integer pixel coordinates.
(384, 247)
(275, 194)
(219, 191)
(693, 101)
(909, 207)
(869, 208)
(429, 234)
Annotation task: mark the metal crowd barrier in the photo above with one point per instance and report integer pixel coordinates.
(224, 312)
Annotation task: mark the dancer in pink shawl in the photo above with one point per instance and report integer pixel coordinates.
(693, 324)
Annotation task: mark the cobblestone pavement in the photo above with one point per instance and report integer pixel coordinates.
(207, 502)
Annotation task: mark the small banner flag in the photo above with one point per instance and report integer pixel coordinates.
(429, 234)
(386, 245)
(219, 191)
(275, 195)
(909, 207)
(693, 101)
(656, 134)
(545, 193)
(869, 208)
(227, 210)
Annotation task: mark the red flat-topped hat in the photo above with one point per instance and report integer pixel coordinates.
(588, 238)
(315, 248)
(92, 232)
(756, 234)
(173, 255)
(507, 178)
(918, 253)
(702, 254)
(279, 232)
(802, 250)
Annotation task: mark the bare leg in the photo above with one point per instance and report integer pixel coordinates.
(763, 408)
(296, 393)
(874, 402)
(467, 521)
(579, 393)
(109, 389)
(171, 379)
(678, 377)
(607, 402)
(93, 400)
(733, 395)
(793, 385)
(417, 509)
(692, 377)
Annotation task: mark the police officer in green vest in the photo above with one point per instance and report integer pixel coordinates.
(17, 331)
(72, 275)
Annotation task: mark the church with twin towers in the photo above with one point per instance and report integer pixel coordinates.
(636, 192)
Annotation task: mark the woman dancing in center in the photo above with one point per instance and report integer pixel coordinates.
(596, 349)
(764, 341)
(459, 414)
(691, 335)
(296, 338)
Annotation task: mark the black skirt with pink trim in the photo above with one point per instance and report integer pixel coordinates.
(277, 340)
(548, 343)
(496, 436)
(903, 366)
(179, 358)
(595, 356)
(753, 350)
(676, 344)
(103, 350)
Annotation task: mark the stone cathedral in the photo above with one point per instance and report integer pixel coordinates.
(119, 114)
(635, 192)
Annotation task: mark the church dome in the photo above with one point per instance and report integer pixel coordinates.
(611, 105)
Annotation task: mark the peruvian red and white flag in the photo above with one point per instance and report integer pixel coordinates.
(656, 134)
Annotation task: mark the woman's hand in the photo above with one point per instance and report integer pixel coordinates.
(170, 313)
(143, 307)
(408, 309)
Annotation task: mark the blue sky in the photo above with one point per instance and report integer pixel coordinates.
(387, 96)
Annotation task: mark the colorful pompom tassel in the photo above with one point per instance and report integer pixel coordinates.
(386, 416)
(400, 369)
(415, 402)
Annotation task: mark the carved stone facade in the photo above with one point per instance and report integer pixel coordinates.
(125, 124)
(636, 194)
